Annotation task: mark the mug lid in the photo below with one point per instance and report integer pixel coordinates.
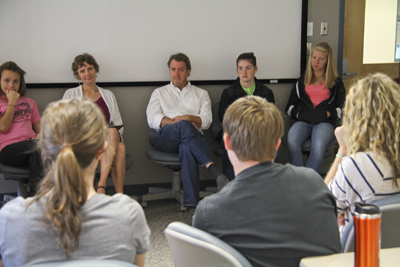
(367, 208)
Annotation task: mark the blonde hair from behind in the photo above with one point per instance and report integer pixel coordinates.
(330, 68)
(254, 127)
(73, 132)
(372, 119)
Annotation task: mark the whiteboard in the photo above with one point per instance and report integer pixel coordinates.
(133, 39)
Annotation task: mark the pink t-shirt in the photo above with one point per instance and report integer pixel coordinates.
(26, 114)
(317, 93)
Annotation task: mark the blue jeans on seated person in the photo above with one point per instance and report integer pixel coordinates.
(321, 135)
(184, 138)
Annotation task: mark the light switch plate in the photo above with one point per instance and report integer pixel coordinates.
(324, 28)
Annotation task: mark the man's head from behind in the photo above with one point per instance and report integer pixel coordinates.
(254, 128)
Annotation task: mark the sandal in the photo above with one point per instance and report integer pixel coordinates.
(102, 187)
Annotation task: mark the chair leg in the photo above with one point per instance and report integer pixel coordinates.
(21, 191)
(163, 193)
(176, 186)
(175, 192)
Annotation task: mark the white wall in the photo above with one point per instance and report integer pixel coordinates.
(324, 11)
(130, 39)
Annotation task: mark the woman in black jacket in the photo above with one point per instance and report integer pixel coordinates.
(315, 103)
(245, 84)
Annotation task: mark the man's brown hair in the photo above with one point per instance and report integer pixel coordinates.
(254, 127)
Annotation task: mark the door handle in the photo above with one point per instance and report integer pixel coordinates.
(348, 74)
(345, 73)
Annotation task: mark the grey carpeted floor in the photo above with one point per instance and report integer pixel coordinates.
(159, 214)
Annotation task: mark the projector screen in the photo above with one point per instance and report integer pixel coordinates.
(133, 39)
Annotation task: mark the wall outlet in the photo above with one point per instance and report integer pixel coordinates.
(310, 30)
(324, 28)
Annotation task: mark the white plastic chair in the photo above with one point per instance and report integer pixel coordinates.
(193, 247)
(390, 234)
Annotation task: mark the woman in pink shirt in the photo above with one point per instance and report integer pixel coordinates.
(315, 103)
(19, 122)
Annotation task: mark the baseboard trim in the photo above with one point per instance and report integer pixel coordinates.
(137, 189)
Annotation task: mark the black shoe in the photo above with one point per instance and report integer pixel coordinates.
(190, 213)
(221, 181)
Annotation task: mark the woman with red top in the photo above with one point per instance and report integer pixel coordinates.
(19, 123)
(85, 68)
(315, 103)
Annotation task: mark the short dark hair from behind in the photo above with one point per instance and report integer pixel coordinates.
(254, 127)
(247, 56)
(12, 66)
(180, 57)
(80, 59)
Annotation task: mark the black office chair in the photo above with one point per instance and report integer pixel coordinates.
(215, 129)
(17, 174)
(171, 161)
(21, 175)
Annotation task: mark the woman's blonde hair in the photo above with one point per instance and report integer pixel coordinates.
(73, 132)
(372, 119)
(330, 68)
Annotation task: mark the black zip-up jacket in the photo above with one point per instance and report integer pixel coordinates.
(235, 91)
(300, 102)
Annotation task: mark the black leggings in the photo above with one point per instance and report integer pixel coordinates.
(24, 153)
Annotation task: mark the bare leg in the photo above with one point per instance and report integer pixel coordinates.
(108, 158)
(118, 168)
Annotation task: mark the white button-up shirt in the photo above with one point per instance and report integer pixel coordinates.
(169, 101)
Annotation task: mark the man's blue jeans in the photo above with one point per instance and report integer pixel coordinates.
(321, 135)
(184, 138)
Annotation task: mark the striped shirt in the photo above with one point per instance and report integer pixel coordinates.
(361, 177)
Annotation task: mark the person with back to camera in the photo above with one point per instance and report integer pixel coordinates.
(85, 68)
(367, 165)
(66, 219)
(19, 123)
(273, 214)
(315, 103)
(245, 84)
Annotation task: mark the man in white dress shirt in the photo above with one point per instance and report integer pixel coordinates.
(179, 112)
